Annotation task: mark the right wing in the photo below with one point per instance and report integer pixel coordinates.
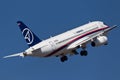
(87, 39)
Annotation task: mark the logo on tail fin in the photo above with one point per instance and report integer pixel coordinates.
(28, 35)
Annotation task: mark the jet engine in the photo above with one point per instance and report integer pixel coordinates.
(101, 40)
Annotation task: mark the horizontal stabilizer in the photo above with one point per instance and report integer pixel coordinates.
(14, 55)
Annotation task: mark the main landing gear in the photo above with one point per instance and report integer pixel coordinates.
(64, 58)
(83, 53)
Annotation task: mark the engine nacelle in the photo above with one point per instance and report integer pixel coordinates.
(101, 40)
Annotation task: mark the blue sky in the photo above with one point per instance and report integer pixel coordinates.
(51, 17)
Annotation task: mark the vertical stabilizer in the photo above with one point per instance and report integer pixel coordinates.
(29, 36)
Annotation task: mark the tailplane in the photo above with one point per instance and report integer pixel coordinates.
(14, 55)
(29, 36)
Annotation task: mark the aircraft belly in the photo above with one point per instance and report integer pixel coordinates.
(75, 44)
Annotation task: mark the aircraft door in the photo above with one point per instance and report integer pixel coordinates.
(52, 44)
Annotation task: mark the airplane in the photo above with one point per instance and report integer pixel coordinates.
(66, 43)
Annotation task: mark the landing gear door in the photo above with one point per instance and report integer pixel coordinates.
(52, 44)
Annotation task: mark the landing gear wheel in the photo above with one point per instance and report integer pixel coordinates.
(64, 58)
(83, 53)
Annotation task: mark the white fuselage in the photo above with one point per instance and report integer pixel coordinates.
(63, 43)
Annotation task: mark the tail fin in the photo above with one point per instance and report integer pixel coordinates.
(29, 36)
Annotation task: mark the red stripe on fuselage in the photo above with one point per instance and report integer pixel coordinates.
(81, 36)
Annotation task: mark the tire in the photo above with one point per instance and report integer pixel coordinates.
(83, 53)
(64, 58)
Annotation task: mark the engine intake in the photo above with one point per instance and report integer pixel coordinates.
(101, 40)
